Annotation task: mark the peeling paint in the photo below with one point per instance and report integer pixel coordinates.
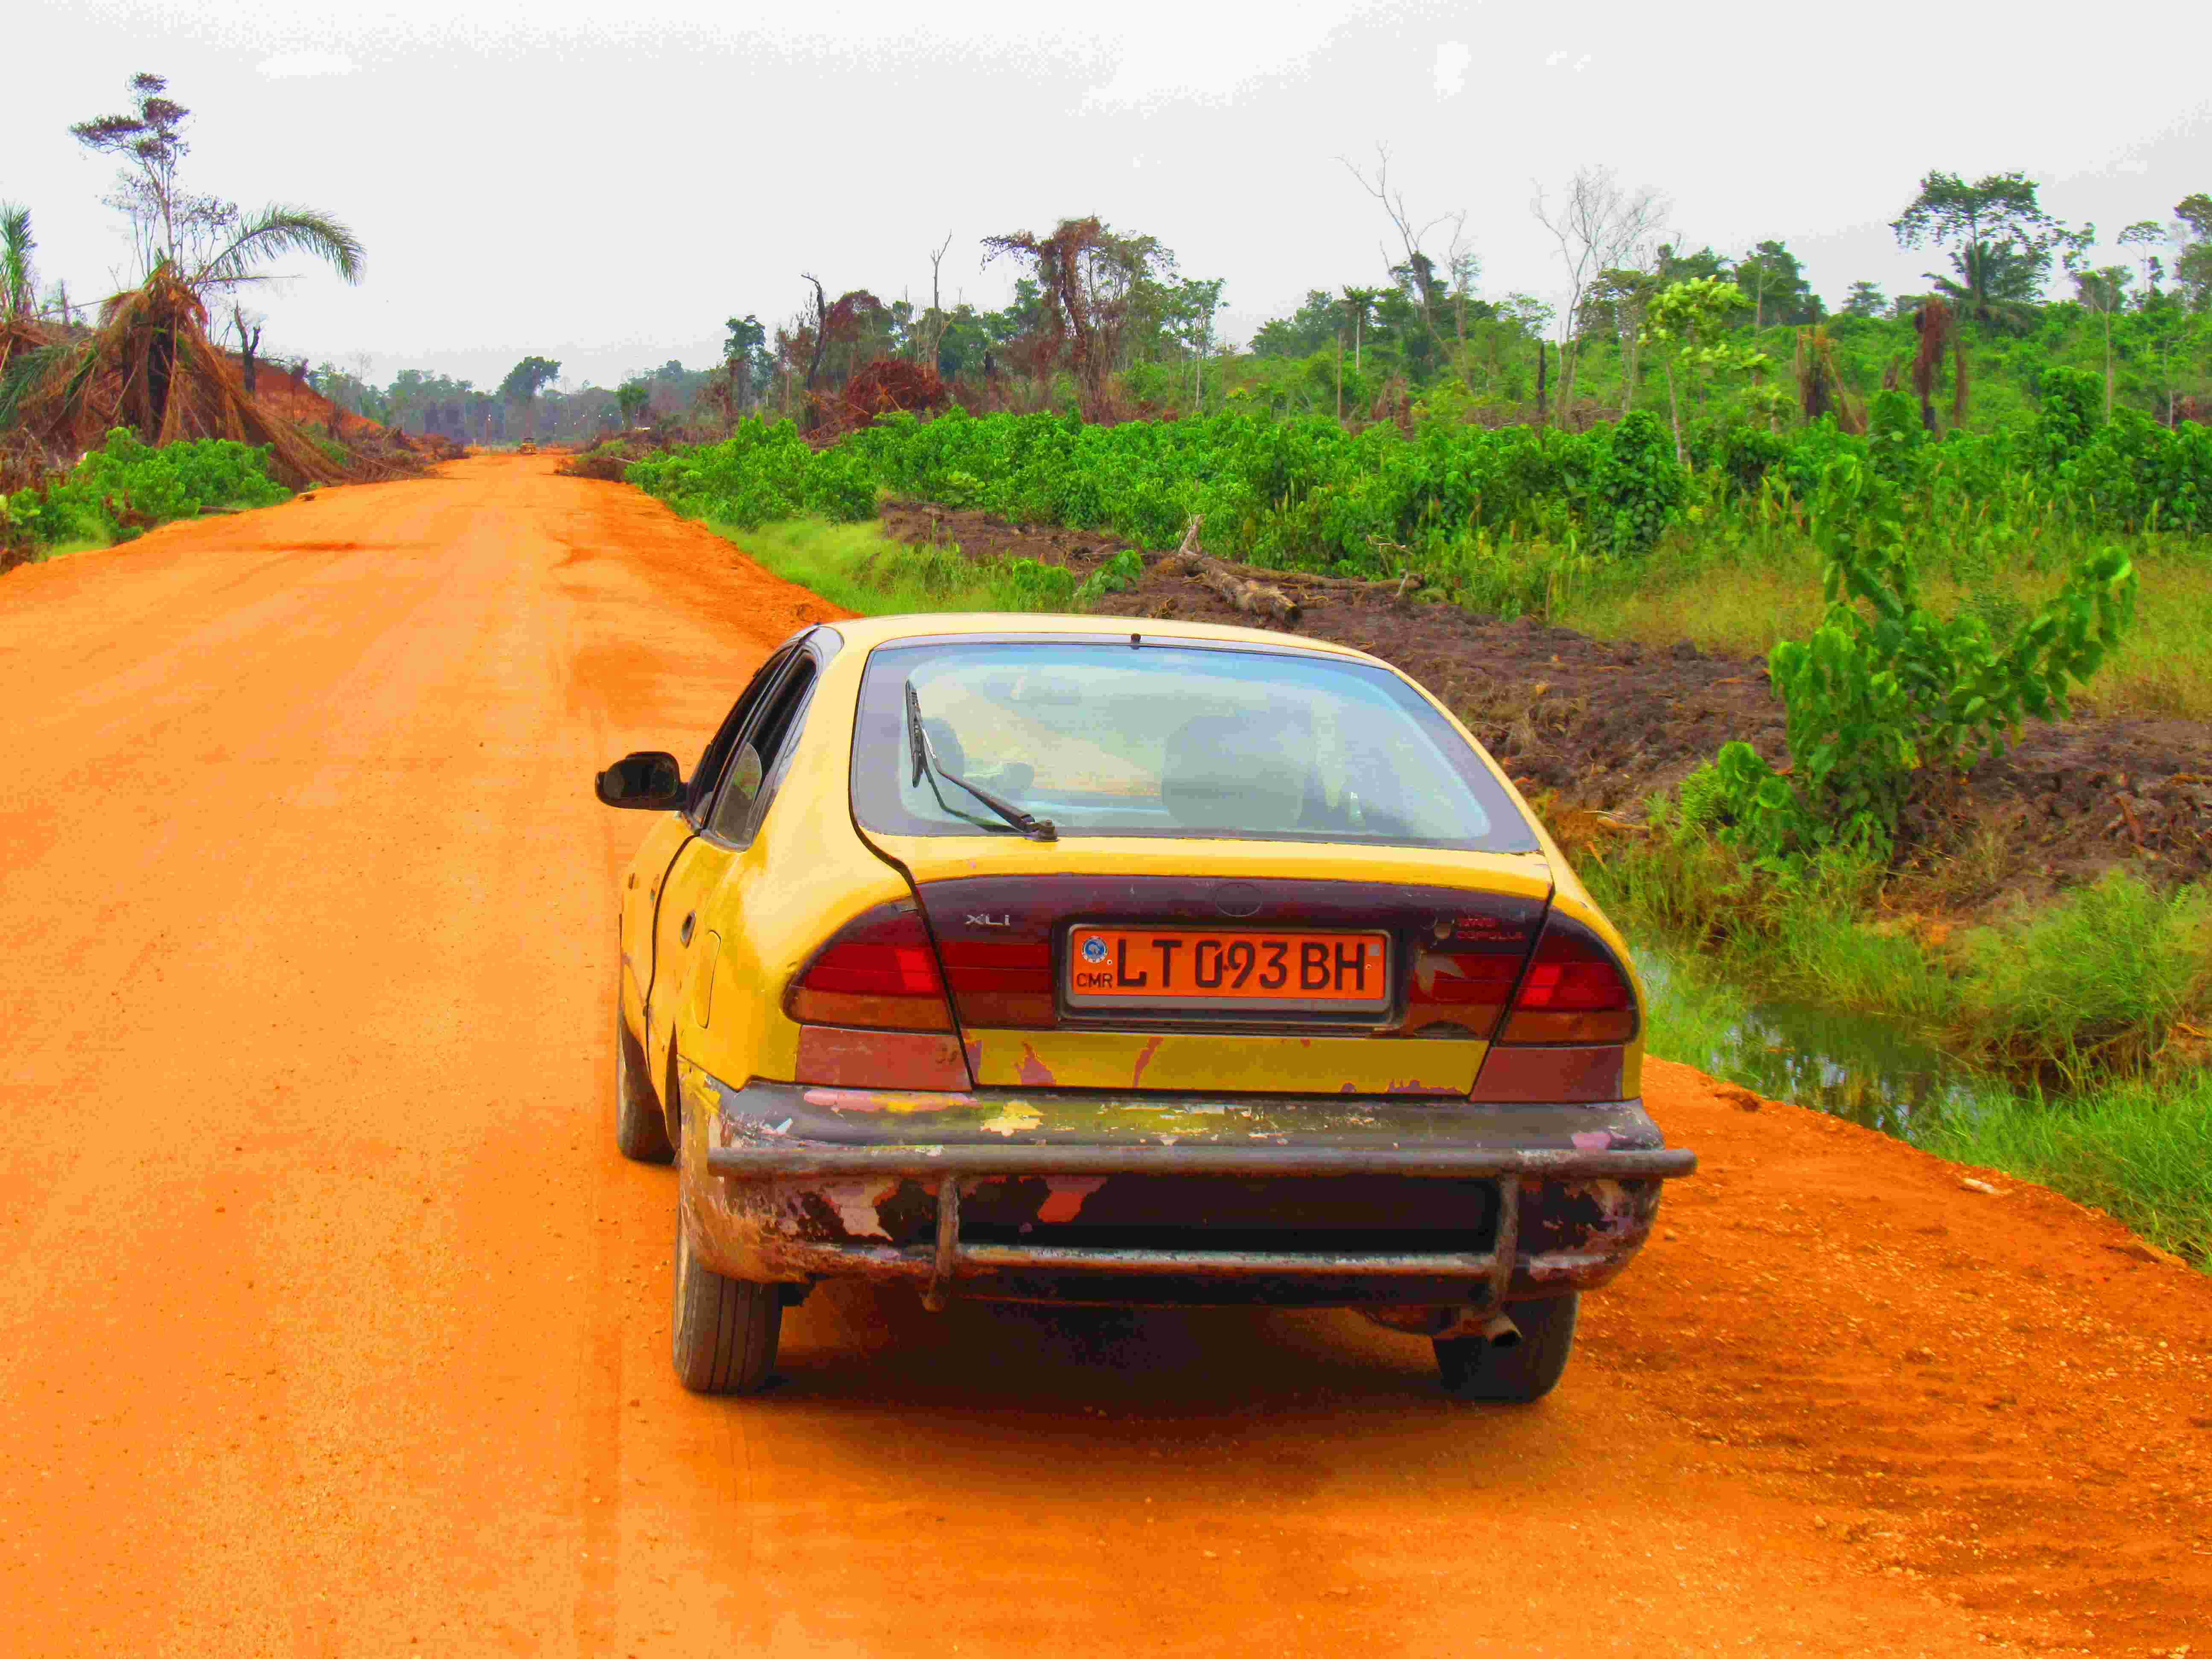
(1144, 1059)
(1016, 1119)
(855, 1202)
(1065, 1196)
(1593, 1140)
(1034, 1071)
(878, 1100)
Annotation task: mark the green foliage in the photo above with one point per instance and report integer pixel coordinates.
(1031, 586)
(1886, 692)
(2073, 409)
(1637, 485)
(1895, 436)
(1507, 521)
(761, 473)
(528, 378)
(839, 486)
(1117, 576)
(126, 485)
(2097, 982)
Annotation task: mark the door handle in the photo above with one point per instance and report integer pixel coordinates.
(684, 933)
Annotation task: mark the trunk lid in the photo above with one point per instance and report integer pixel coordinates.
(1195, 965)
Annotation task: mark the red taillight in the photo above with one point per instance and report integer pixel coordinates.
(1575, 991)
(997, 985)
(879, 972)
(1452, 994)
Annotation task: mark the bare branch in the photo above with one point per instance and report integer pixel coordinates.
(1414, 238)
(1600, 226)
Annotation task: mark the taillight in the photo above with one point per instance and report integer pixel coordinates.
(1574, 991)
(999, 985)
(879, 972)
(1451, 994)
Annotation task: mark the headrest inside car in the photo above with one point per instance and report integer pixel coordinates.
(1237, 772)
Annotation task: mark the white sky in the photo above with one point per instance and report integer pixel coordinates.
(605, 184)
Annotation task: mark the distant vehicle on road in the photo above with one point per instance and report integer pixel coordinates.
(525, 448)
(1037, 959)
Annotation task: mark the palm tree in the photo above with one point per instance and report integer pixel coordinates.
(17, 281)
(203, 241)
(1998, 281)
(276, 232)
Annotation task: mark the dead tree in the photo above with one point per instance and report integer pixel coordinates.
(1599, 226)
(1415, 262)
(249, 342)
(1086, 275)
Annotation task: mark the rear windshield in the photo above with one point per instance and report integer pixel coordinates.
(1107, 739)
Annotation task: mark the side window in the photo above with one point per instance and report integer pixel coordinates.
(767, 741)
(724, 744)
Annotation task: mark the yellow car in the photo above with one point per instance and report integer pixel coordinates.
(1032, 957)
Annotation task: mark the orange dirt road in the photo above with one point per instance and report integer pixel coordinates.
(331, 1323)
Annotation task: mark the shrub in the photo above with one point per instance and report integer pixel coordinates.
(1637, 484)
(1117, 576)
(1886, 691)
(126, 486)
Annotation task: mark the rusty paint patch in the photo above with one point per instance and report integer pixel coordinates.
(1064, 1195)
(856, 1201)
(833, 1055)
(1144, 1059)
(1034, 1071)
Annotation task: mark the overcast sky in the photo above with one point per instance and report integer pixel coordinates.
(604, 184)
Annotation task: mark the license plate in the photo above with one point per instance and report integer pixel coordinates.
(1277, 971)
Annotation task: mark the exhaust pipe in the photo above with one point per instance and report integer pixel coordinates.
(1501, 1332)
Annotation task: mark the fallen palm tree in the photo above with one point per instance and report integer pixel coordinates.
(150, 367)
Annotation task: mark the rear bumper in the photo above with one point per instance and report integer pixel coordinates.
(1089, 1196)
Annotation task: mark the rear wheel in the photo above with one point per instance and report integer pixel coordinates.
(724, 1331)
(1475, 1368)
(640, 1127)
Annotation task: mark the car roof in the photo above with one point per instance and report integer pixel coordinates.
(868, 632)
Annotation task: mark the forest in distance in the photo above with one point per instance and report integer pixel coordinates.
(1109, 322)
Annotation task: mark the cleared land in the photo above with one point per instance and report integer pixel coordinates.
(332, 1322)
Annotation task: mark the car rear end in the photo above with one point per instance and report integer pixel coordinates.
(1290, 1006)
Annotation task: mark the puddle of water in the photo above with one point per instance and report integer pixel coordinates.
(1854, 1065)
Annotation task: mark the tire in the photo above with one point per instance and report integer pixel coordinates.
(723, 1331)
(1474, 1368)
(640, 1127)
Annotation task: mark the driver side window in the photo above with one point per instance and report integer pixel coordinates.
(767, 740)
(716, 761)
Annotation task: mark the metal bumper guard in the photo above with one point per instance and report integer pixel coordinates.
(782, 1152)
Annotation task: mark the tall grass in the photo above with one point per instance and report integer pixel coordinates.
(2094, 986)
(2140, 1149)
(1741, 597)
(858, 566)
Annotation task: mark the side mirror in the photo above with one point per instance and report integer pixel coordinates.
(649, 782)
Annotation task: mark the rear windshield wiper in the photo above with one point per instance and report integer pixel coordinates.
(926, 764)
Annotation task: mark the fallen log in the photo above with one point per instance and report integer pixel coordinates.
(1253, 599)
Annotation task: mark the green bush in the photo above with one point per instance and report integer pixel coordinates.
(126, 485)
(1027, 584)
(1117, 576)
(2099, 979)
(1637, 484)
(1886, 692)
(1503, 520)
